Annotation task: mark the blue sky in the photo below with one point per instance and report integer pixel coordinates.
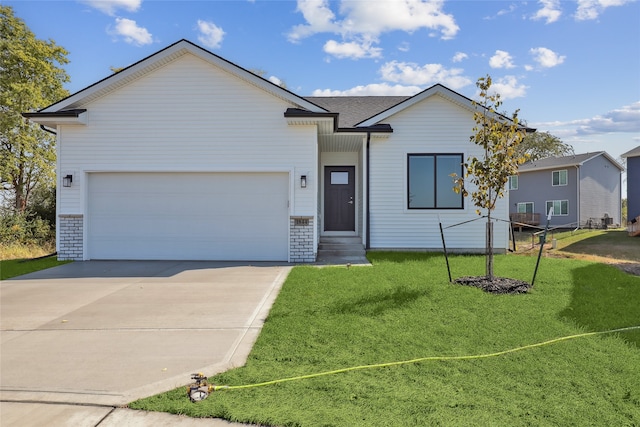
(571, 67)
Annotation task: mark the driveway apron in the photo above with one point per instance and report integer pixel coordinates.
(109, 332)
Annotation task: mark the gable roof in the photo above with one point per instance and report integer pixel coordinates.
(162, 57)
(565, 161)
(632, 153)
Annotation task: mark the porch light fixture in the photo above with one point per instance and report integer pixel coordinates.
(303, 181)
(67, 180)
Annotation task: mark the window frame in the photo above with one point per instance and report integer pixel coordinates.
(559, 172)
(525, 203)
(511, 179)
(434, 183)
(546, 204)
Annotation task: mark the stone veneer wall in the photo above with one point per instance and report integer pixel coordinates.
(70, 245)
(301, 235)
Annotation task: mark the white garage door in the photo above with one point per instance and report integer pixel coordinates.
(188, 216)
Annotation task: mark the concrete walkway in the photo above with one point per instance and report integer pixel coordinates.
(81, 340)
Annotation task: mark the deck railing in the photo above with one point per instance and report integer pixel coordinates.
(525, 218)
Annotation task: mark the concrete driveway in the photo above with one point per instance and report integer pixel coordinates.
(109, 332)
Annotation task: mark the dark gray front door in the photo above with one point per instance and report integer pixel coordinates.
(339, 198)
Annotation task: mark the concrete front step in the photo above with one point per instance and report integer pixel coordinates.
(341, 250)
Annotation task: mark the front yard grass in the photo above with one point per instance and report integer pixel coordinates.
(17, 267)
(403, 308)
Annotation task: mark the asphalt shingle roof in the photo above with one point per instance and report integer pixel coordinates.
(355, 109)
(632, 153)
(566, 161)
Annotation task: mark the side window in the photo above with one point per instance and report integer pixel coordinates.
(513, 182)
(430, 185)
(559, 177)
(560, 207)
(525, 207)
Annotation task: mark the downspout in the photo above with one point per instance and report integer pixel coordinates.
(44, 128)
(368, 213)
(577, 197)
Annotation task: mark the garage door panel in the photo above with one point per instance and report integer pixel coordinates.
(216, 216)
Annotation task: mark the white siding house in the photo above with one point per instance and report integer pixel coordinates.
(185, 155)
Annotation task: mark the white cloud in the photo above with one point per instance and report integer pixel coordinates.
(508, 88)
(591, 9)
(376, 89)
(501, 59)
(111, 6)
(426, 75)
(625, 119)
(275, 80)
(550, 11)
(319, 19)
(360, 20)
(210, 34)
(132, 34)
(546, 58)
(353, 50)
(459, 57)
(621, 120)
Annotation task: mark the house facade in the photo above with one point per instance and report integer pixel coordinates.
(633, 182)
(185, 155)
(582, 190)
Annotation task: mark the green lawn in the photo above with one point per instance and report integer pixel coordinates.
(18, 267)
(403, 308)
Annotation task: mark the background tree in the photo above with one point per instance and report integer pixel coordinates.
(500, 138)
(539, 145)
(31, 78)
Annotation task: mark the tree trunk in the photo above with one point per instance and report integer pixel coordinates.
(489, 249)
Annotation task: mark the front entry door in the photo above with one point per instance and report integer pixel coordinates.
(339, 198)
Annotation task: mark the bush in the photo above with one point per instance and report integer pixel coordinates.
(25, 229)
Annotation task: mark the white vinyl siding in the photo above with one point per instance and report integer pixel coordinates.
(435, 125)
(188, 116)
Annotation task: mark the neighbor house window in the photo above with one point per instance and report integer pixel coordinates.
(559, 177)
(513, 182)
(430, 184)
(560, 207)
(525, 207)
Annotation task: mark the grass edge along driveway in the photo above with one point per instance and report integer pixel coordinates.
(403, 308)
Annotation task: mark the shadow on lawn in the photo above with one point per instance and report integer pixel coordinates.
(375, 305)
(605, 298)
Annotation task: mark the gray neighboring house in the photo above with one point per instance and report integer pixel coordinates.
(584, 190)
(633, 182)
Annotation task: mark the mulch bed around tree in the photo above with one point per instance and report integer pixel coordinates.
(499, 285)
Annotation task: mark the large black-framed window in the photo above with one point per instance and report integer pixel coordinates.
(430, 184)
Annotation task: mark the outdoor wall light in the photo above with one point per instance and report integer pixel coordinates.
(303, 181)
(67, 180)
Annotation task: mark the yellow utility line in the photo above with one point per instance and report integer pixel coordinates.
(423, 359)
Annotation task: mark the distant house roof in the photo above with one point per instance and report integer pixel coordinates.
(632, 153)
(565, 161)
(355, 109)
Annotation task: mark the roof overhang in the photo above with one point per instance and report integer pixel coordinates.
(64, 117)
(328, 123)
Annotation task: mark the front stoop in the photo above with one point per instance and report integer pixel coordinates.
(341, 250)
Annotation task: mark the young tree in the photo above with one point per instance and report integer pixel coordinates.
(500, 137)
(30, 78)
(539, 145)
